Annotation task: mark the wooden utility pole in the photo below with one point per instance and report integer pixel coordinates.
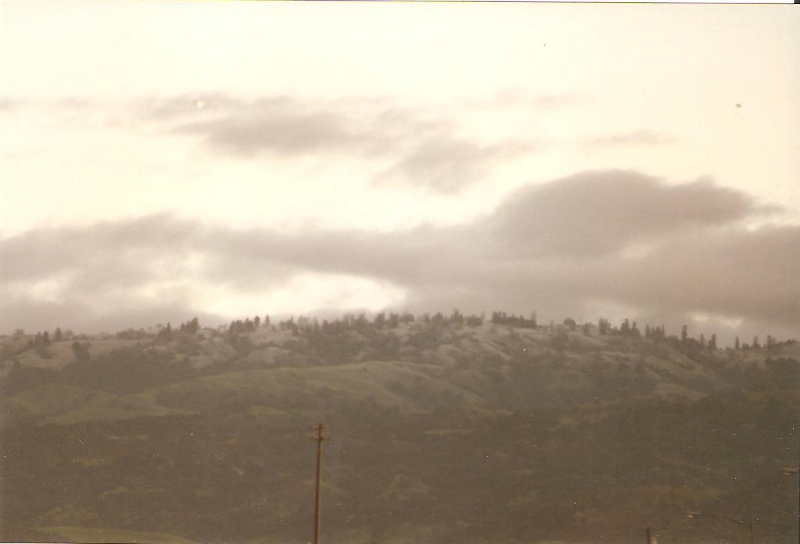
(318, 506)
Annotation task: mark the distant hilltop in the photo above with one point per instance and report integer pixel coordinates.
(20, 340)
(576, 355)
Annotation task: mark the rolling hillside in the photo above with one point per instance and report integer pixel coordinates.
(447, 430)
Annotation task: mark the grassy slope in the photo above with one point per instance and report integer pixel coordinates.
(64, 404)
(461, 432)
(392, 384)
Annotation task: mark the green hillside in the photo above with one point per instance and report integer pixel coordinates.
(448, 429)
(64, 404)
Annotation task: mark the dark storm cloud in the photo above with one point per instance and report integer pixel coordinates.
(613, 236)
(636, 138)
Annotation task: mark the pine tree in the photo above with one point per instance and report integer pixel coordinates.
(166, 333)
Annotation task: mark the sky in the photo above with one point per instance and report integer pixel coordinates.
(166, 160)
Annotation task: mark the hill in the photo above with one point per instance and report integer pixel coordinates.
(448, 430)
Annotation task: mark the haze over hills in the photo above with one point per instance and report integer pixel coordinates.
(449, 428)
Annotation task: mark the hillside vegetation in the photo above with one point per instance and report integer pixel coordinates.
(448, 429)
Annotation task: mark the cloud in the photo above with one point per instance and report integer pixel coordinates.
(287, 126)
(187, 106)
(449, 165)
(10, 104)
(595, 213)
(73, 103)
(635, 138)
(421, 149)
(283, 129)
(736, 272)
(594, 240)
(62, 105)
(424, 148)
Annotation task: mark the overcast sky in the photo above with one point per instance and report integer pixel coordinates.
(165, 160)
